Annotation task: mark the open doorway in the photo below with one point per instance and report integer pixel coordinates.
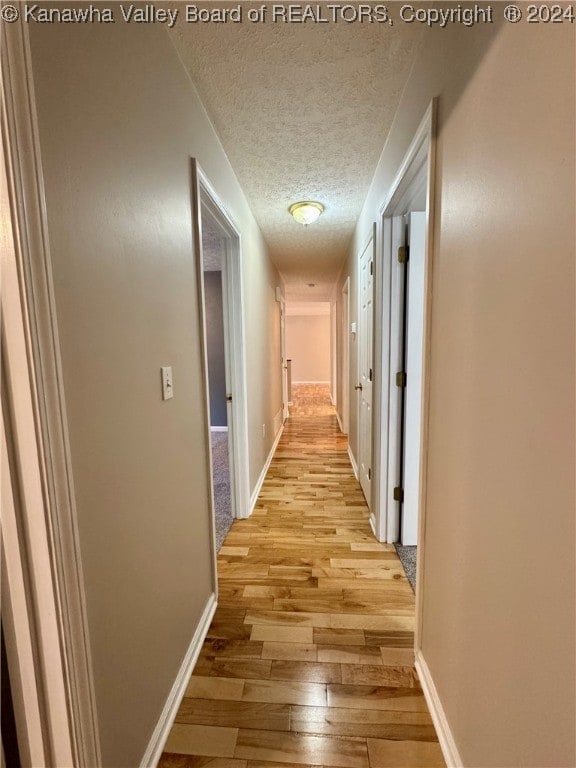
(402, 350)
(215, 314)
(407, 317)
(308, 347)
(220, 293)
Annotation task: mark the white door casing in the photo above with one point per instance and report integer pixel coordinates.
(345, 349)
(397, 227)
(26, 219)
(31, 602)
(365, 367)
(283, 360)
(207, 200)
(333, 354)
(412, 190)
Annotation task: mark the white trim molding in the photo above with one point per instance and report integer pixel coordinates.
(353, 462)
(207, 200)
(415, 176)
(218, 429)
(443, 731)
(170, 710)
(373, 525)
(28, 210)
(260, 481)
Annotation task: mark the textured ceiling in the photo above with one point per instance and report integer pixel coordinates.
(303, 111)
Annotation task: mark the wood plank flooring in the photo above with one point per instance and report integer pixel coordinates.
(309, 659)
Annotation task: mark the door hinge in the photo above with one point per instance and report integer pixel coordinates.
(370, 376)
(401, 379)
(398, 493)
(369, 474)
(371, 267)
(403, 254)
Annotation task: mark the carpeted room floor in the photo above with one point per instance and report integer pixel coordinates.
(221, 468)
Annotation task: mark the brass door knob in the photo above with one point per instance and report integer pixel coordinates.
(358, 386)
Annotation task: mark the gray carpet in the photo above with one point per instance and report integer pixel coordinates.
(407, 557)
(221, 486)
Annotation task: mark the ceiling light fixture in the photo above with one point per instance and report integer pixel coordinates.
(306, 212)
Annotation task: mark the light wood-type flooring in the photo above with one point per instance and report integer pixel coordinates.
(309, 659)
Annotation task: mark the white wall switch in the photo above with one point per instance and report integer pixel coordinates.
(353, 328)
(167, 386)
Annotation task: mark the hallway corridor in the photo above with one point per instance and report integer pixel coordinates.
(309, 659)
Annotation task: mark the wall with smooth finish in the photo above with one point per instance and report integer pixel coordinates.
(119, 121)
(498, 587)
(308, 346)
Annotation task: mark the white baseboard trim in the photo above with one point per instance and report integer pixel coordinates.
(353, 462)
(339, 420)
(218, 429)
(373, 525)
(447, 743)
(258, 486)
(162, 730)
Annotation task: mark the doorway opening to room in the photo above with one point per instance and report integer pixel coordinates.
(402, 356)
(220, 292)
(309, 350)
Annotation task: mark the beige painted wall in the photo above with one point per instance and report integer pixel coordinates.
(119, 122)
(308, 346)
(498, 625)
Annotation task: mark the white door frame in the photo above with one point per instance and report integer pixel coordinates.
(412, 324)
(416, 175)
(283, 358)
(333, 354)
(64, 598)
(361, 379)
(233, 295)
(345, 347)
(30, 602)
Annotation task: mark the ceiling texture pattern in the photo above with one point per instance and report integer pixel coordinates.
(303, 111)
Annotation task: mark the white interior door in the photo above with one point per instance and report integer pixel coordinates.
(414, 362)
(397, 233)
(333, 347)
(345, 347)
(284, 361)
(365, 366)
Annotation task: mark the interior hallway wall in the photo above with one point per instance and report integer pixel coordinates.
(308, 346)
(118, 123)
(498, 624)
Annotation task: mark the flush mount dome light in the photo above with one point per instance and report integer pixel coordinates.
(306, 212)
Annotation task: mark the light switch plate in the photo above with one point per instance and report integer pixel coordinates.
(167, 385)
(352, 327)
